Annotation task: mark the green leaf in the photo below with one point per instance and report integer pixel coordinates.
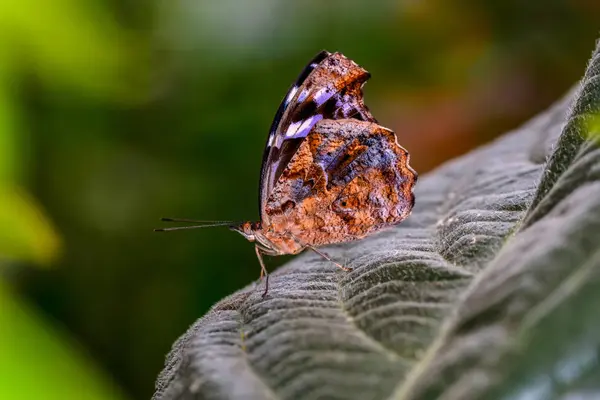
(38, 361)
(490, 290)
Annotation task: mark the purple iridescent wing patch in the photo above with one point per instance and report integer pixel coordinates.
(329, 87)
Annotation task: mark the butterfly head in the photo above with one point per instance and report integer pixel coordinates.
(248, 230)
(268, 241)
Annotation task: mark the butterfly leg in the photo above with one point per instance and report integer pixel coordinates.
(325, 256)
(263, 270)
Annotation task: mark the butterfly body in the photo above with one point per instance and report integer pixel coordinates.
(330, 173)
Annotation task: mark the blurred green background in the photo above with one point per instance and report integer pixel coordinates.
(116, 113)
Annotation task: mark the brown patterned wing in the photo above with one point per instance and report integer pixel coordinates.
(348, 179)
(330, 87)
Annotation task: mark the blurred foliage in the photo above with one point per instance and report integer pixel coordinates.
(26, 233)
(30, 236)
(62, 44)
(39, 362)
(113, 114)
(67, 42)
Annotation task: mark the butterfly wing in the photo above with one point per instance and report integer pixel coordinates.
(348, 179)
(329, 87)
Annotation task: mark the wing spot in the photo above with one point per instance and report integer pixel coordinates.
(288, 205)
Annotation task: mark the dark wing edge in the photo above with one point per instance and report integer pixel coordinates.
(312, 64)
(329, 87)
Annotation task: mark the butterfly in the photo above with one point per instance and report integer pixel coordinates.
(330, 173)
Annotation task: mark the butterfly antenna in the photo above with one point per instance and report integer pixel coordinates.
(195, 221)
(201, 224)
